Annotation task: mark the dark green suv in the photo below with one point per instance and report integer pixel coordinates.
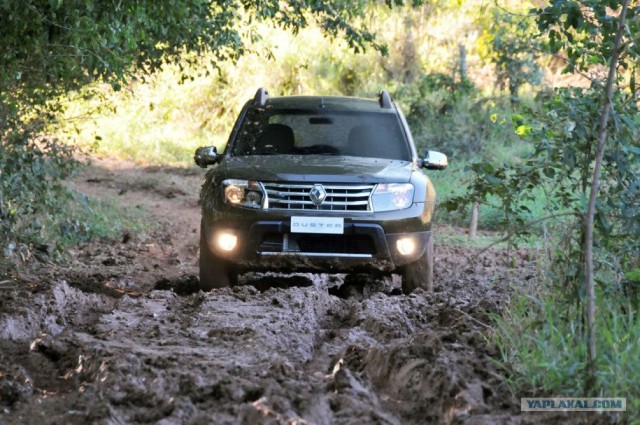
(320, 184)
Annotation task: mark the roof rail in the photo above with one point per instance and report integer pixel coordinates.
(260, 99)
(385, 100)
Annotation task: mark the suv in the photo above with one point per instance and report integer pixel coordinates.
(318, 184)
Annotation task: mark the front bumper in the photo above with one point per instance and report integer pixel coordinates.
(269, 245)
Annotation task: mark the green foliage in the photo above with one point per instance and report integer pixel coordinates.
(544, 340)
(31, 167)
(565, 151)
(38, 214)
(564, 134)
(507, 41)
(560, 166)
(542, 348)
(62, 44)
(585, 31)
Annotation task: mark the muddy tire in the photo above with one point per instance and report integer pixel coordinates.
(419, 274)
(215, 272)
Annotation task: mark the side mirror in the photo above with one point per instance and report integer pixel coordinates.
(435, 161)
(205, 156)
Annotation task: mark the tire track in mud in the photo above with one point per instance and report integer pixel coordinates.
(239, 355)
(280, 350)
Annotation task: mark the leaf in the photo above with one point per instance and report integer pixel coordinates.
(632, 149)
(549, 172)
(517, 120)
(568, 128)
(493, 180)
(487, 168)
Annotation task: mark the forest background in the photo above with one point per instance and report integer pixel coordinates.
(514, 92)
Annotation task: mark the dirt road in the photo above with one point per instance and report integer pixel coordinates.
(121, 335)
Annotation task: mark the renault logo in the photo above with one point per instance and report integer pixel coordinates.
(317, 194)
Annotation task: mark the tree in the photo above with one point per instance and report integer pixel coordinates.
(595, 185)
(60, 44)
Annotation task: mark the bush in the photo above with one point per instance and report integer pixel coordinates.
(542, 344)
(31, 169)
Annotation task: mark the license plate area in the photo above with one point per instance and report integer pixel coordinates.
(321, 225)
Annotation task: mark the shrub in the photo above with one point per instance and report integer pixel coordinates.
(31, 168)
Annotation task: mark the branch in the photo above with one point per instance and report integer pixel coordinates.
(80, 50)
(508, 12)
(573, 67)
(54, 24)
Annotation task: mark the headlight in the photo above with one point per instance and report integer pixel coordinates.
(245, 193)
(392, 196)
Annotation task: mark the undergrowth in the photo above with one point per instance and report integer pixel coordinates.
(87, 218)
(542, 345)
(39, 215)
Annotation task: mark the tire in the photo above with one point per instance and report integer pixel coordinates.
(215, 272)
(419, 274)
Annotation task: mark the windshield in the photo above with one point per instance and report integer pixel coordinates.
(331, 132)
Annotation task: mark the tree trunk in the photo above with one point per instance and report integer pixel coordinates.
(463, 63)
(473, 226)
(588, 249)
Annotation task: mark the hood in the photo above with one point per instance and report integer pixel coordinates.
(317, 168)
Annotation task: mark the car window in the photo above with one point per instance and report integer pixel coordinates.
(295, 132)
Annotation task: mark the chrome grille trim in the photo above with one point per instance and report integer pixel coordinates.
(316, 254)
(340, 197)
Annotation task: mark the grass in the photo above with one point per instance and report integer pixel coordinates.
(453, 238)
(543, 348)
(87, 218)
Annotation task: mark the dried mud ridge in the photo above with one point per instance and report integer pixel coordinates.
(121, 335)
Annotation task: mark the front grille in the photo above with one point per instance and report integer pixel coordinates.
(339, 244)
(276, 243)
(338, 197)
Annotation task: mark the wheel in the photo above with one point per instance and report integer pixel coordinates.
(419, 274)
(215, 272)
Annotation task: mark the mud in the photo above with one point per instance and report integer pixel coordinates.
(122, 335)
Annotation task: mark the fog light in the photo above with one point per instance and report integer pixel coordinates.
(226, 241)
(406, 246)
